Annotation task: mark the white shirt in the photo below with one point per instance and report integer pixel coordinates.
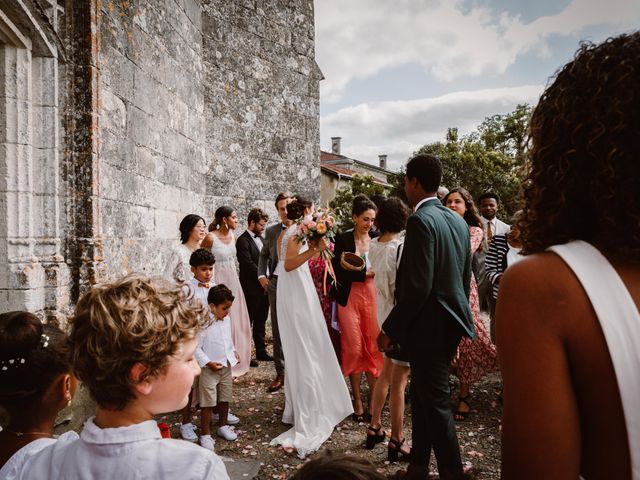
(415, 209)
(134, 452)
(201, 293)
(11, 469)
(257, 239)
(215, 344)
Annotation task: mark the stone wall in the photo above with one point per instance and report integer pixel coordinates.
(261, 102)
(151, 148)
(159, 108)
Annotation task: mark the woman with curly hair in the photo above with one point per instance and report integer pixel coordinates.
(574, 332)
(478, 357)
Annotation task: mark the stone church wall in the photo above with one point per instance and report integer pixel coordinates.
(161, 108)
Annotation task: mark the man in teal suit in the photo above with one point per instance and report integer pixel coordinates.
(431, 315)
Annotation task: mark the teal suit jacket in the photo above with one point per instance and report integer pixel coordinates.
(434, 276)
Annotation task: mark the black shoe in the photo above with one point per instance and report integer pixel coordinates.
(377, 437)
(264, 357)
(395, 453)
(253, 363)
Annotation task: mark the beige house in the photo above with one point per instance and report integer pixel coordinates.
(336, 171)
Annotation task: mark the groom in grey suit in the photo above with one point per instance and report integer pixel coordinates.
(268, 278)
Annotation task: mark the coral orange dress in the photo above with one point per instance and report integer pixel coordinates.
(359, 330)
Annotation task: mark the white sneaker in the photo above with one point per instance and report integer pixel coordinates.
(231, 419)
(188, 432)
(226, 432)
(207, 442)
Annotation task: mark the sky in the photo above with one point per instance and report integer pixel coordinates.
(398, 73)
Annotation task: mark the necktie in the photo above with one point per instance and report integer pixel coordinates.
(489, 232)
(205, 285)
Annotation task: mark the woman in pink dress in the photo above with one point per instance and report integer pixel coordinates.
(223, 245)
(476, 358)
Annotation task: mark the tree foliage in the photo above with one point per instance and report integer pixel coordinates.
(341, 204)
(488, 159)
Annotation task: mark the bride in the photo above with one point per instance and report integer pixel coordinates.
(316, 395)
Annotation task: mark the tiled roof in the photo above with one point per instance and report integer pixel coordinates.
(324, 156)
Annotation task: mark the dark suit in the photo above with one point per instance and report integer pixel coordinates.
(269, 259)
(430, 317)
(257, 301)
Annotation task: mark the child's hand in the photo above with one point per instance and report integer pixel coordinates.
(215, 366)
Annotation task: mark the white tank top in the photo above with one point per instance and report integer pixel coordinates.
(620, 322)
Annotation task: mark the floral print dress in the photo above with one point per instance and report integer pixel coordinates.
(317, 266)
(475, 358)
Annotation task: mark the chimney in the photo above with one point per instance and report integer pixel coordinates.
(382, 159)
(335, 145)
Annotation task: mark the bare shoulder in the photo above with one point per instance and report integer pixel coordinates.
(541, 289)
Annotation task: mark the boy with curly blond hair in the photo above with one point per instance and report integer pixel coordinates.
(132, 345)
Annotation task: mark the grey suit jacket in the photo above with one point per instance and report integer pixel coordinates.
(269, 253)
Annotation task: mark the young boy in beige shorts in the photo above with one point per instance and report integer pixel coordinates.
(216, 355)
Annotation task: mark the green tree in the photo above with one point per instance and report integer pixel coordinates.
(341, 204)
(488, 159)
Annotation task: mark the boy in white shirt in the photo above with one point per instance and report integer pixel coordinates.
(216, 355)
(132, 345)
(202, 262)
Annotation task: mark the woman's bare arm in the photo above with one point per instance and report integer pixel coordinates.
(540, 429)
(294, 259)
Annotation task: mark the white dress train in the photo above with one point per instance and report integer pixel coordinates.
(316, 395)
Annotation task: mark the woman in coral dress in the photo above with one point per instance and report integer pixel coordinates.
(223, 245)
(355, 294)
(475, 359)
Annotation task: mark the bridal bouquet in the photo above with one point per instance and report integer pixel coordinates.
(314, 227)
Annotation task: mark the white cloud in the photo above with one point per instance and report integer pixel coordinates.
(359, 38)
(398, 128)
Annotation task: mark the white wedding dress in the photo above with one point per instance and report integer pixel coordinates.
(316, 395)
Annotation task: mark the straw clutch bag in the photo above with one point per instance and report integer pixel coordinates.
(351, 262)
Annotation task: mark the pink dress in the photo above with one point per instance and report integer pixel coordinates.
(477, 358)
(317, 265)
(225, 272)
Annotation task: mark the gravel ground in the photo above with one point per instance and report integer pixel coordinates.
(260, 414)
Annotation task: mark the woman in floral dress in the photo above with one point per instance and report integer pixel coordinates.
(476, 358)
(317, 266)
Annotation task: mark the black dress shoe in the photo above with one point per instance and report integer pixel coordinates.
(253, 363)
(264, 357)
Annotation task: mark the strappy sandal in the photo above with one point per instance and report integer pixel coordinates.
(373, 440)
(396, 454)
(361, 417)
(459, 415)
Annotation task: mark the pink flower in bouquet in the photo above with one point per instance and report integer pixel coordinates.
(312, 224)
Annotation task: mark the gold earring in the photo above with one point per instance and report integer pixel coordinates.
(68, 398)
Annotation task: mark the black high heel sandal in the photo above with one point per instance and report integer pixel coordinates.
(459, 415)
(373, 440)
(396, 454)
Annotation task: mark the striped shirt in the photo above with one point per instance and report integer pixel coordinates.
(495, 262)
